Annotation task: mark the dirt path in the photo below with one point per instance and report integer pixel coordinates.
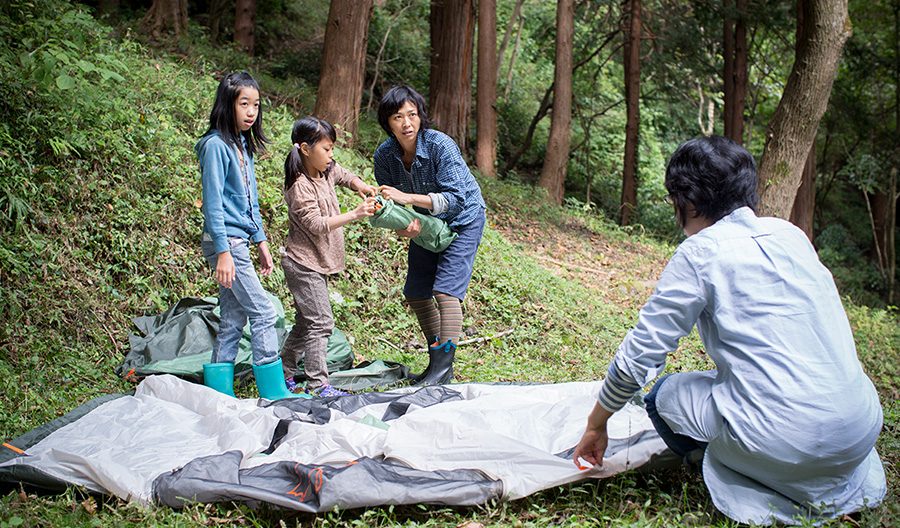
(621, 271)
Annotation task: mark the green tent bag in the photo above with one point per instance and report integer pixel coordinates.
(180, 340)
(436, 235)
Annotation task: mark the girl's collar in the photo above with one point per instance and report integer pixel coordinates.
(323, 174)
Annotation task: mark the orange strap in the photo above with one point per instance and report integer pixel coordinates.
(14, 448)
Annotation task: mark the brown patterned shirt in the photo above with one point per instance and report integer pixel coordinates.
(311, 201)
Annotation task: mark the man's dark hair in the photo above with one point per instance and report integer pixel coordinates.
(713, 174)
(397, 97)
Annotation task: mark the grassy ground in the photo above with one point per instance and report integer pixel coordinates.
(99, 224)
(567, 284)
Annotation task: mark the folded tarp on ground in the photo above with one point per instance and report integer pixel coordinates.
(465, 444)
(180, 340)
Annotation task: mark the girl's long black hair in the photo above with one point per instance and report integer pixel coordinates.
(309, 130)
(222, 117)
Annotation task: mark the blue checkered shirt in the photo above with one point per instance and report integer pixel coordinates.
(438, 168)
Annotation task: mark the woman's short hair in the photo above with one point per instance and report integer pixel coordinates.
(397, 97)
(713, 175)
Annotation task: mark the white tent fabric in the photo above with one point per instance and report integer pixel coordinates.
(516, 434)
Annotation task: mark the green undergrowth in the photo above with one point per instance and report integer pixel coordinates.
(99, 223)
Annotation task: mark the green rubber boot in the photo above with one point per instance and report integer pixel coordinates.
(219, 376)
(416, 378)
(440, 365)
(270, 382)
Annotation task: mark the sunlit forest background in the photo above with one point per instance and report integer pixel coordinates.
(682, 94)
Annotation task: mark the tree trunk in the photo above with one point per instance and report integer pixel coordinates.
(880, 221)
(339, 95)
(486, 96)
(824, 28)
(513, 20)
(740, 74)
(803, 211)
(217, 9)
(245, 25)
(452, 39)
(632, 64)
(891, 236)
(735, 75)
(543, 108)
(166, 15)
(553, 174)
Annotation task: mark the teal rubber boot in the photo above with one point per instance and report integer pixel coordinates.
(219, 376)
(270, 382)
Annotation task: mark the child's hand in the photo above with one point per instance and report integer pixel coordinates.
(365, 208)
(225, 269)
(266, 265)
(367, 190)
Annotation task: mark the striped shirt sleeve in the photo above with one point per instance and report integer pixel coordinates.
(616, 390)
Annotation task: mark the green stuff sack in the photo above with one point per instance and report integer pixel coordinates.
(378, 374)
(436, 235)
(180, 340)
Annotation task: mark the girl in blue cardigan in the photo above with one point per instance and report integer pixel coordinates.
(231, 221)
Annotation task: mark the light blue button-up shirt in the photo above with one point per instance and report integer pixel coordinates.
(789, 414)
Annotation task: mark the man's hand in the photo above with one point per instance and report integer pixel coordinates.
(594, 441)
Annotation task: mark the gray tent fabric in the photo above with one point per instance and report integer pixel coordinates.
(458, 444)
(317, 488)
(435, 236)
(180, 340)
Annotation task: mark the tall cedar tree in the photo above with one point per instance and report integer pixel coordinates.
(803, 209)
(245, 25)
(553, 173)
(166, 15)
(339, 95)
(452, 40)
(734, 50)
(486, 95)
(632, 60)
(792, 130)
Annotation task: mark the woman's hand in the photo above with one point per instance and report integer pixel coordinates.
(412, 230)
(390, 193)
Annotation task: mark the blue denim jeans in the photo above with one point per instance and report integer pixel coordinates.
(245, 299)
(681, 445)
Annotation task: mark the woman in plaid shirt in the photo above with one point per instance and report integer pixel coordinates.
(424, 168)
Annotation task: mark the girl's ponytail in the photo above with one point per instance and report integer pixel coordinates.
(293, 166)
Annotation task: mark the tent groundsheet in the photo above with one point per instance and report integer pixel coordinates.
(174, 441)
